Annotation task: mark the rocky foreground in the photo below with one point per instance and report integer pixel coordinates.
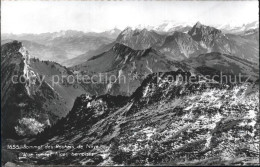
(162, 123)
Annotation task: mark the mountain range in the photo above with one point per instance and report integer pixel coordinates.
(129, 68)
(69, 47)
(142, 108)
(169, 26)
(179, 45)
(63, 45)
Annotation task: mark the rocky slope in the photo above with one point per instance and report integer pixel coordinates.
(213, 40)
(179, 46)
(35, 93)
(21, 114)
(209, 38)
(170, 122)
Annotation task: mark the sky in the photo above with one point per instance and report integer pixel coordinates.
(49, 16)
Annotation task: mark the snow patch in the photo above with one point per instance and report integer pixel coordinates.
(109, 86)
(29, 125)
(147, 66)
(26, 71)
(146, 90)
(251, 114)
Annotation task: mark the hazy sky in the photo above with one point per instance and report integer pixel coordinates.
(50, 16)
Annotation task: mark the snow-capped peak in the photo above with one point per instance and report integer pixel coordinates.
(233, 27)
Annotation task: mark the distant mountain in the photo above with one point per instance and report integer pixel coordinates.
(140, 39)
(213, 40)
(123, 62)
(162, 122)
(239, 29)
(166, 27)
(120, 59)
(199, 39)
(179, 46)
(42, 51)
(86, 56)
(136, 39)
(78, 45)
(245, 46)
(71, 43)
(252, 34)
(111, 33)
(172, 26)
(208, 37)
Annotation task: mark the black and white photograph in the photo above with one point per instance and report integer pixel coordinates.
(129, 83)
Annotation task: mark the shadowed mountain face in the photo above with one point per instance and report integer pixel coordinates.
(18, 107)
(35, 93)
(29, 100)
(163, 122)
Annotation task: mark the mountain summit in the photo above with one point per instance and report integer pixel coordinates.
(198, 25)
(205, 33)
(139, 39)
